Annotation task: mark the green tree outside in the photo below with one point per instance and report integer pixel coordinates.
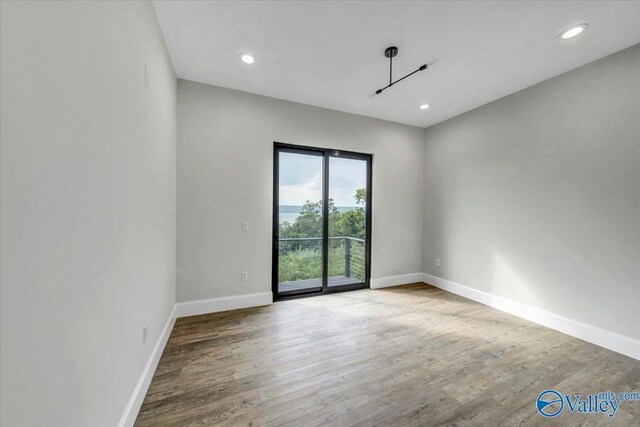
(301, 260)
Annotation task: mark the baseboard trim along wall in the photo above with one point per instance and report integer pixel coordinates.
(214, 305)
(607, 339)
(139, 392)
(183, 309)
(403, 279)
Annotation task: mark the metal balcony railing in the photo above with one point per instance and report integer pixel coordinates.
(354, 254)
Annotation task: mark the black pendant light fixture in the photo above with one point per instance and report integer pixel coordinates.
(391, 52)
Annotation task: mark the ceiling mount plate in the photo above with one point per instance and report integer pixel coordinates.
(390, 52)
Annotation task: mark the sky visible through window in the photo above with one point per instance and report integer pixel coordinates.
(301, 179)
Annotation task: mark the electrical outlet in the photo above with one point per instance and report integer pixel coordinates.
(244, 276)
(145, 333)
(437, 262)
(245, 226)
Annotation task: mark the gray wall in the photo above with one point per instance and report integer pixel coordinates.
(225, 170)
(536, 197)
(88, 207)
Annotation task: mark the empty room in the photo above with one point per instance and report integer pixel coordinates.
(319, 213)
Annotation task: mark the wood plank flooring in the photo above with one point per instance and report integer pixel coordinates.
(403, 356)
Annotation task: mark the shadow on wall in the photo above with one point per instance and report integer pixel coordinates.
(506, 282)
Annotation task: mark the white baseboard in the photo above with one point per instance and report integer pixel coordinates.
(214, 305)
(607, 339)
(403, 279)
(182, 309)
(140, 391)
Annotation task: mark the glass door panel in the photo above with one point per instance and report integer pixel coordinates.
(300, 222)
(347, 221)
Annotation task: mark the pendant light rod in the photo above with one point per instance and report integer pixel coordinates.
(391, 69)
(390, 53)
(421, 68)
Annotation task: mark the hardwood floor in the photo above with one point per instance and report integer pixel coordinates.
(403, 356)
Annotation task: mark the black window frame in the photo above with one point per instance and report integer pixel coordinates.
(326, 154)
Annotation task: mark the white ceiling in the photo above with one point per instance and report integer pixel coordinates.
(330, 54)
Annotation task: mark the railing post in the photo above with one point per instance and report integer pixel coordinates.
(347, 257)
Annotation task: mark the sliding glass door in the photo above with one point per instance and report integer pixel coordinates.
(321, 221)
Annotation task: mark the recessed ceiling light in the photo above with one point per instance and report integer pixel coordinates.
(424, 106)
(573, 31)
(247, 59)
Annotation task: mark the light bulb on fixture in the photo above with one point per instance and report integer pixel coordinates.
(432, 63)
(424, 106)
